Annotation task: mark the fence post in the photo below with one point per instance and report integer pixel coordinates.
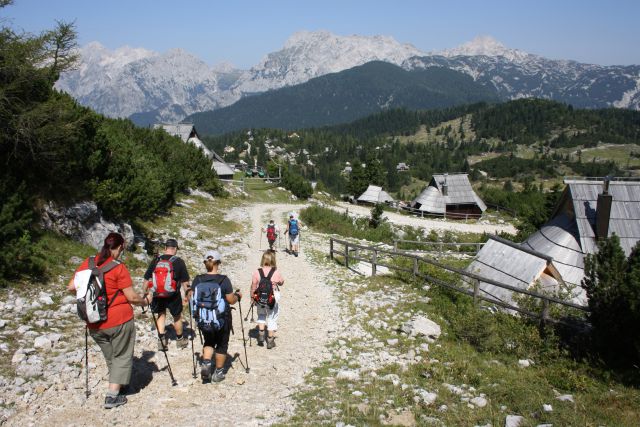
(373, 262)
(476, 291)
(544, 316)
(395, 245)
(346, 254)
(331, 248)
(415, 267)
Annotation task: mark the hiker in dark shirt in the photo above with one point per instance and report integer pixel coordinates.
(215, 341)
(173, 301)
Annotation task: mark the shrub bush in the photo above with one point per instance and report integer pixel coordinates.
(329, 221)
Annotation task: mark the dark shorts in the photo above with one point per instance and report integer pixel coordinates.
(218, 340)
(174, 304)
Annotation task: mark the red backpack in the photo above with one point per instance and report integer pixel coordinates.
(163, 284)
(263, 295)
(271, 232)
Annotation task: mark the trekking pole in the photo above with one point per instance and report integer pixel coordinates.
(193, 336)
(164, 349)
(244, 340)
(251, 310)
(86, 360)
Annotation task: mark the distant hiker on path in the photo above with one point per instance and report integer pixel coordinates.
(166, 274)
(116, 335)
(293, 231)
(264, 288)
(211, 299)
(272, 233)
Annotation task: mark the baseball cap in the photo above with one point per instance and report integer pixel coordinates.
(171, 243)
(213, 255)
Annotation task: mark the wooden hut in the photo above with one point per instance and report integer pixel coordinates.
(450, 195)
(188, 134)
(589, 209)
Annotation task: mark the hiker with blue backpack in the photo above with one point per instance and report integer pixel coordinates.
(105, 295)
(165, 276)
(212, 296)
(293, 231)
(265, 291)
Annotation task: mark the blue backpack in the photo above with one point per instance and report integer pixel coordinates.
(293, 227)
(209, 306)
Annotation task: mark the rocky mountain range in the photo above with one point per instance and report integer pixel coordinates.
(151, 87)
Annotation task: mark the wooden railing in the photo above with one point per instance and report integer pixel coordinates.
(377, 257)
(442, 246)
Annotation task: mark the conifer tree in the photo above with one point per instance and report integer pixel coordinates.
(612, 284)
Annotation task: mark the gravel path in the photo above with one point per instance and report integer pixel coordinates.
(259, 397)
(428, 224)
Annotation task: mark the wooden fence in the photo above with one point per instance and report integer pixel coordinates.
(377, 257)
(442, 246)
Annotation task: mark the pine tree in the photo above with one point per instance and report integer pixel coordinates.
(612, 284)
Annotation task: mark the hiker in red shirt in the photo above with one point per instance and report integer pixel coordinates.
(117, 334)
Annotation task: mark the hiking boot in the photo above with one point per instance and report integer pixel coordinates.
(260, 338)
(205, 371)
(271, 342)
(218, 375)
(296, 254)
(113, 401)
(182, 343)
(163, 342)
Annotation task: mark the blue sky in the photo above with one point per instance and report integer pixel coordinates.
(242, 32)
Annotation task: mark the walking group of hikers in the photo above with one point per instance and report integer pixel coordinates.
(105, 299)
(292, 234)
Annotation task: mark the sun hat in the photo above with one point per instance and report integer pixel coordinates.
(212, 255)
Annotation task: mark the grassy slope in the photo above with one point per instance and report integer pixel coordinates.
(477, 352)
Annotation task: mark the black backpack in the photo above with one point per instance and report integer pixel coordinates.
(263, 295)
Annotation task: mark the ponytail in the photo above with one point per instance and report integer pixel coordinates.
(112, 241)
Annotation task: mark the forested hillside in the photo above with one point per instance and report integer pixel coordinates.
(504, 147)
(518, 139)
(53, 149)
(345, 96)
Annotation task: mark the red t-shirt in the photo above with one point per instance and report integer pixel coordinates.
(120, 311)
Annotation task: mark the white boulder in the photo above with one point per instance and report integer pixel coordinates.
(420, 325)
(513, 421)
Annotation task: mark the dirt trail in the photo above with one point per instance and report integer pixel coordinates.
(260, 397)
(429, 223)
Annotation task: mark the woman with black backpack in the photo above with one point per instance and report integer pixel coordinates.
(211, 299)
(116, 335)
(265, 284)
